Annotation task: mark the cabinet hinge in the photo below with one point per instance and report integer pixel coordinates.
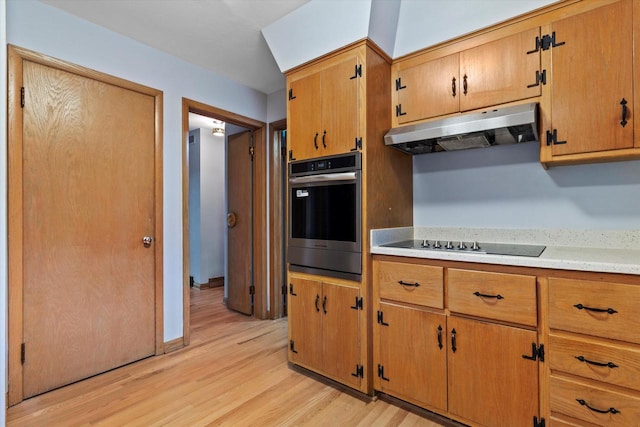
(540, 78)
(291, 96)
(381, 373)
(552, 138)
(358, 304)
(399, 85)
(22, 353)
(381, 319)
(22, 97)
(357, 73)
(399, 111)
(252, 290)
(292, 347)
(547, 41)
(358, 145)
(537, 423)
(359, 373)
(291, 158)
(291, 290)
(284, 289)
(537, 353)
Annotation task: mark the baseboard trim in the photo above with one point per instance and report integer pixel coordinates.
(214, 282)
(173, 345)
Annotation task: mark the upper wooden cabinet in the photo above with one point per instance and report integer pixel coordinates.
(323, 107)
(589, 113)
(494, 73)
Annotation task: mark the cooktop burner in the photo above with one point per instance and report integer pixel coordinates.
(514, 249)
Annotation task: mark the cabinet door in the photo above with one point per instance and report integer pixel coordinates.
(304, 117)
(489, 380)
(340, 113)
(305, 322)
(412, 363)
(500, 71)
(591, 74)
(341, 333)
(428, 90)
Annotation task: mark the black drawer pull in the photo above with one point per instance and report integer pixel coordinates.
(600, 411)
(590, 362)
(478, 294)
(597, 310)
(403, 283)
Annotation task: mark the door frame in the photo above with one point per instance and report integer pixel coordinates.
(259, 206)
(277, 239)
(16, 56)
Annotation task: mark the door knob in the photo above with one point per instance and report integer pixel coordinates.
(232, 219)
(146, 241)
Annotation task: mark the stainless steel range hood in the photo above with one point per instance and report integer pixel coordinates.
(508, 125)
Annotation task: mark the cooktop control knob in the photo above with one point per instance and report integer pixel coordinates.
(436, 244)
(425, 243)
(475, 246)
(449, 245)
(462, 246)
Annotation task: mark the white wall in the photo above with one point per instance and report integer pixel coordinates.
(212, 204)
(425, 23)
(506, 187)
(36, 26)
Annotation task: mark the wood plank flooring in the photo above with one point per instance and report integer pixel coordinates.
(234, 373)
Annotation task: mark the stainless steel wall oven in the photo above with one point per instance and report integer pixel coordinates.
(325, 216)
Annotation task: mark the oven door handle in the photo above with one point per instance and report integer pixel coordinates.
(325, 177)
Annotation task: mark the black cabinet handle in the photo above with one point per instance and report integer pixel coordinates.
(591, 362)
(624, 122)
(464, 84)
(600, 411)
(315, 141)
(324, 135)
(403, 283)
(324, 304)
(317, 300)
(291, 290)
(440, 337)
(596, 310)
(453, 87)
(453, 340)
(478, 294)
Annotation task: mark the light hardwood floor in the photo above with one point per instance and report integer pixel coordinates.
(234, 373)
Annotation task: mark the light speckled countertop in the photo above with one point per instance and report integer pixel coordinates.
(607, 251)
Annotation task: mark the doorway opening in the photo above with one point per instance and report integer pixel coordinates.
(258, 250)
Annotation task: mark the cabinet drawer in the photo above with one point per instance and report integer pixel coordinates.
(411, 283)
(586, 357)
(507, 297)
(594, 404)
(602, 309)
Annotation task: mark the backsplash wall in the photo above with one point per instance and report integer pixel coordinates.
(506, 187)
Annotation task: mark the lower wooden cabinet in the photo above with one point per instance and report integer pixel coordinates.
(412, 360)
(324, 329)
(489, 380)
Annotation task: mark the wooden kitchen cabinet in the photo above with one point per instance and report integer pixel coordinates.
(489, 380)
(412, 358)
(477, 360)
(594, 350)
(490, 74)
(589, 113)
(324, 108)
(324, 328)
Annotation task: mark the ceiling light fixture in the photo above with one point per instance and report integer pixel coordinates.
(218, 128)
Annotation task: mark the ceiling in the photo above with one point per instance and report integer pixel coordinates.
(223, 36)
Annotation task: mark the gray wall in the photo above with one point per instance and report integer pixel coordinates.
(506, 187)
